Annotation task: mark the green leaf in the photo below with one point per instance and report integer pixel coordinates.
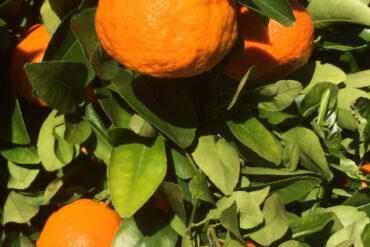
(274, 172)
(316, 72)
(329, 12)
(54, 11)
(278, 96)
(83, 26)
(64, 151)
(229, 220)
(312, 101)
(290, 156)
(360, 79)
(64, 46)
(253, 134)
(18, 209)
(248, 207)
(312, 155)
(50, 19)
(279, 10)
(276, 222)
(103, 148)
(219, 161)
(46, 142)
(310, 224)
(12, 126)
(114, 107)
(198, 187)
(76, 129)
(20, 177)
(346, 97)
(162, 104)
(135, 171)
(129, 235)
(246, 78)
(366, 235)
(175, 197)
(183, 167)
(141, 127)
(52, 189)
(291, 243)
(298, 189)
(21, 154)
(60, 84)
(349, 235)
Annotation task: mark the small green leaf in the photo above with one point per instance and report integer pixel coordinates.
(254, 135)
(12, 126)
(331, 12)
(278, 96)
(18, 209)
(311, 102)
(280, 10)
(114, 107)
(20, 177)
(219, 161)
(129, 235)
(21, 154)
(198, 187)
(76, 129)
(246, 78)
(276, 222)
(141, 127)
(175, 197)
(312, 155)
(135, 171)
(360, 79)
(298, 189)
(229, 220)
(60, 84)
(346, 97)
(183, 167)
(46, 142)
(310, 224)
(162, 104)
(103, 148)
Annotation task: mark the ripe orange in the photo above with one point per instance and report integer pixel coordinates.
(82, 223)
(167, 38)
(30, 49)
(274, 49)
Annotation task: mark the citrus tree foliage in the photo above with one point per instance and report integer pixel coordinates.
(199, 161)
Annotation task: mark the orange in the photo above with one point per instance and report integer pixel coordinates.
(30, 49)
(274, 49)
(167, 38)
(82, 223)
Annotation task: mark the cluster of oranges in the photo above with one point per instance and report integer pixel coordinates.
(166, 39)
(171, 39)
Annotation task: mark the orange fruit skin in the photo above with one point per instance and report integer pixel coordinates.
(274, 49)
(30, 49)
(82, 223)
(167, 38)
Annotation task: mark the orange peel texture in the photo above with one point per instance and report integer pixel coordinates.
(82, 223)
(167, 38)
(274, 49)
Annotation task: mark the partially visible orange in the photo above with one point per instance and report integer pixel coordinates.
(30, 49)
(167, 38)
(82, 223)
(274, 49)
